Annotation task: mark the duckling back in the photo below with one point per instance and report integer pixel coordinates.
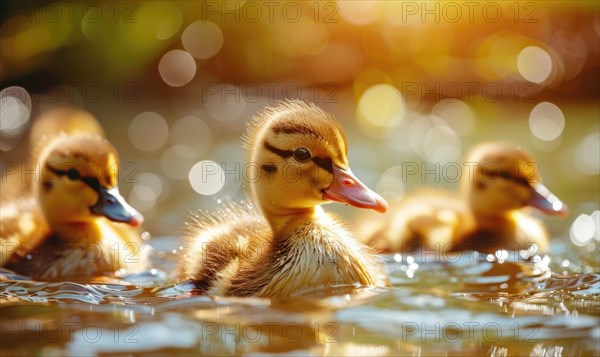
(219, 243)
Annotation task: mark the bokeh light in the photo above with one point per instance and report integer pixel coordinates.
(177, 68)
(142, 197)
(583, 230)
(596, 218)
(147, 191)
(573, 51)
(432, 139)
(202, 39)
(441, 144)
(587, 154)
(546, 121)
(193, 133)
(382, 105)
(225, 102)
(391, 184)
(177, 160)
(148, 131)
(15, 110)
(456, 113)
(207, 177)
(535, 64)
(14, 115)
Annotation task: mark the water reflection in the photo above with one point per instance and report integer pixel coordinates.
(510, 303)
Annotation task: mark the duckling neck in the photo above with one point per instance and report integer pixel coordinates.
(496, 223)
(283, 221)
(83, 232)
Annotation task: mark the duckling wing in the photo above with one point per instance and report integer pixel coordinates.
(22, 228)
(218, 243)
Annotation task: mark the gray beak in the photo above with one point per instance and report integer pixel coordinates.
(114, 207)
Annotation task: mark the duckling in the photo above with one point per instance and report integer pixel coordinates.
(66, 227)
(297, 160)
(498, 182)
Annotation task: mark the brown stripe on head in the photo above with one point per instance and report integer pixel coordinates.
(92, 155)
(296, 117)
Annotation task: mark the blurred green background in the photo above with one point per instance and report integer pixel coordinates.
(173, 84)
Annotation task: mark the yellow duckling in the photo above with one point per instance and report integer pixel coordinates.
(296, 161)
(66, 227)
(498, 181)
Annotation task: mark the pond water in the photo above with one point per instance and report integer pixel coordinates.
(510, 303)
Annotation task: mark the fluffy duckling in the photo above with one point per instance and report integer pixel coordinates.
(487, 216)
(296, 161)
(66, 227)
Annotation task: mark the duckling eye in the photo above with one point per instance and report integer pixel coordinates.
(73, 174)
(302, 154)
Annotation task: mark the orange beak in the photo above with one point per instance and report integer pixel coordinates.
(346, 188)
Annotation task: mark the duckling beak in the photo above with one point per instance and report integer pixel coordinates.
(346, 188)
(114, 207)
(544, 200)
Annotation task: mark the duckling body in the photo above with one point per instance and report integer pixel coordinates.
(290, 244)
(66, 227)
(490, 213)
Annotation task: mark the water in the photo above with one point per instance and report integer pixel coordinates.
(510, 303)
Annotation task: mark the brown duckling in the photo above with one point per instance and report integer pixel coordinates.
(296, 161)
(499, 183)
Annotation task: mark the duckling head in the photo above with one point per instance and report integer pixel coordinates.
(506, 178)
(297, 159)
(79, 182)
